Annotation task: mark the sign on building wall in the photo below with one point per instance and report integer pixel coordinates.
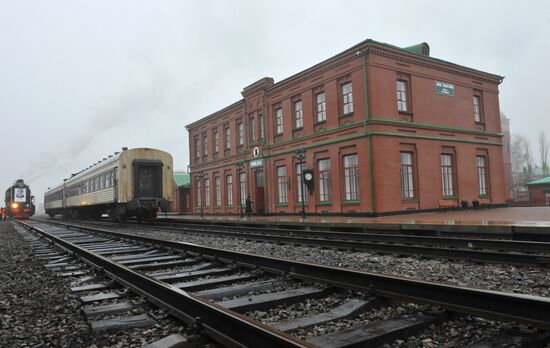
(444, 88)
(257, 163)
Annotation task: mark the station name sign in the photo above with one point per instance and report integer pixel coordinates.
(444, 88)
(257, 163)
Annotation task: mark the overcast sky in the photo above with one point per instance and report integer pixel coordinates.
(81, 79)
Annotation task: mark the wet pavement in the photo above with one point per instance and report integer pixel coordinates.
(516, 216)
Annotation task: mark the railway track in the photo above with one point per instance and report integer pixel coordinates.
(526, 253)
(231, 292)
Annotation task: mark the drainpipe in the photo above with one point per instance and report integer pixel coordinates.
(365, 53)
(265, 158)
(371, 179)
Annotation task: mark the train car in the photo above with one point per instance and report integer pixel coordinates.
(19, 201)
(132, 183)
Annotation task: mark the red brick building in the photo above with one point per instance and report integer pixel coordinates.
(181, 193)
(539, 191)
(380, 128)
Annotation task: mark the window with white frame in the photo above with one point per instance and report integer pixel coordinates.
(347, 99)
(282, 186)
(298, 115)
(481, 175)
(218, 191)
(227, 138)
(197, 147)
(242, 182)
(477, 109)
(325, 187)
(199, 193)
(402, 103)
(351, 178)
(301, 187)
(321, 107)
(262, 125)
(252, 128)
(207, 192)
(216, 137)
(240, 131)
(447, 175)
(278, 121)
(204, 145)
(407, 174)
(229, 189)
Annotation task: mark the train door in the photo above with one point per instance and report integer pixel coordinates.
(147, 179)
(259, 192)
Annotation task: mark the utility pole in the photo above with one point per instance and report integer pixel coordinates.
(300, 156)
(200, 174)
(239, 168)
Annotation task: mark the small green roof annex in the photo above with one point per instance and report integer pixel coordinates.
(182, 179)
(540, 181)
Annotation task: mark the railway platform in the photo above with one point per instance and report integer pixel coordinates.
(531, 221)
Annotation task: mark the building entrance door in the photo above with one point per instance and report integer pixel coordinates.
(259, 192)
(547, 198)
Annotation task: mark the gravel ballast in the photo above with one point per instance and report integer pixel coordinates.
(499, 277)
(36, 309)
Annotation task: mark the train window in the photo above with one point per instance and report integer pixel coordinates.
(96, 183)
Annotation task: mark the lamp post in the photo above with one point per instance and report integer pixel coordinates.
(200, 174)
(300, 156)
(239, 168)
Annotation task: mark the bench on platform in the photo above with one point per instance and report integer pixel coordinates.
(481, 203)
(447, 203)
(484, 201)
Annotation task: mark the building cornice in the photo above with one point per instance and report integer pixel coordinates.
(239, 103)
(349, 55)
(433, 63)
(432, 126)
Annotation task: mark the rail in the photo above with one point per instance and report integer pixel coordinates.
(527, 309)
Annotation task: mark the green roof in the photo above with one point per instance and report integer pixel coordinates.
(182, 179)
(422, 49)
(540, 181)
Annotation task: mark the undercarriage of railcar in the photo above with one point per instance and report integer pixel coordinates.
(142, 209)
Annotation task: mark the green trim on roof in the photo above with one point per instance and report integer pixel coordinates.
(182, 179)
(416, 49)
(540, 181)
(433, 126)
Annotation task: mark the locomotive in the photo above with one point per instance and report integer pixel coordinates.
(132, 183)
(19, 202)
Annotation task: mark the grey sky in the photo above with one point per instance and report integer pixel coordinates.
(80, 79)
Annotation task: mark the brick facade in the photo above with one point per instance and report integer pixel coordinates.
(367, 156)
(539, 191)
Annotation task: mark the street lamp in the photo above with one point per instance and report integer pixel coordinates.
(239, 168)
(200, 174)
(300, 156)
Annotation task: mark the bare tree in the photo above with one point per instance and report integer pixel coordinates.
(543, 152)
(529, 159)
(522, 165)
